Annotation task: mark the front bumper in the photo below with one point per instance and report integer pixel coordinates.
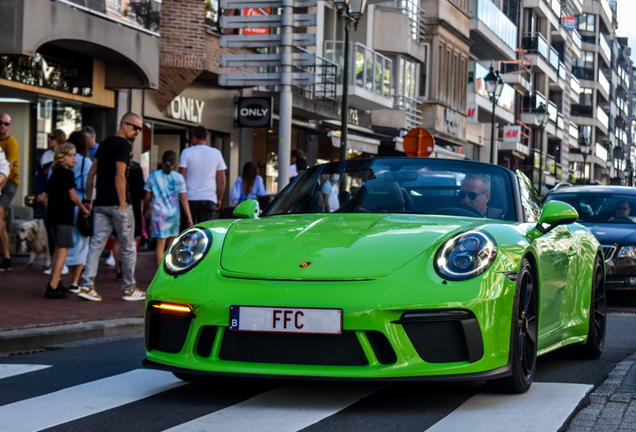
(430, 331)
(620, 274)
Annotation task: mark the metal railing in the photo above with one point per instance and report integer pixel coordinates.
(139, 14)
(415, 13)
(324, 88)
(535, 43)
(603, 82)
(605, 47)
(409, 106)
(497, 21)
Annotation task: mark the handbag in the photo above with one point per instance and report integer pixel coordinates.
(85, 224)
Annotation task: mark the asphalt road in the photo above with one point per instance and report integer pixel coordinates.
(65, 397)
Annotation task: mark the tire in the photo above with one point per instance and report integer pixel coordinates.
(593, 348)
(523, 335)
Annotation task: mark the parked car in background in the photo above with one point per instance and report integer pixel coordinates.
(610, 213)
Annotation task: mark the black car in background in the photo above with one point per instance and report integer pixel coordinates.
(610, 213)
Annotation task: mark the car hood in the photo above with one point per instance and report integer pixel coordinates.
(336, 246)
(608, 234)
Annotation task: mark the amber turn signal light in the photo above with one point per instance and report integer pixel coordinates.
(173, 307)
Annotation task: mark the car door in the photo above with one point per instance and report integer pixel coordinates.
(553, 250)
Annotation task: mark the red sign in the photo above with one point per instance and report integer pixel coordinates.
(255, 12)
(512, 134)
(471, 113)
(418, 142)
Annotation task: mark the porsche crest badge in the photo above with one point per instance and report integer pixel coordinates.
(305, 264)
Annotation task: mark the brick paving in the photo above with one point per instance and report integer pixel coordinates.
(23, 305)
(612, 405)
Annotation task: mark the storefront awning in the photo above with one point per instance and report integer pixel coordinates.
(355, 142)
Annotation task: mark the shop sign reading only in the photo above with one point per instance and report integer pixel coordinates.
(254, 112)
(186, 109)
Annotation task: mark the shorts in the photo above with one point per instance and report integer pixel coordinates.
(63, 236)
(8, 193)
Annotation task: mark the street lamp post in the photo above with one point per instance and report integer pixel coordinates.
(494, 87)
(351, 11)
(585, 148)
(542, 118)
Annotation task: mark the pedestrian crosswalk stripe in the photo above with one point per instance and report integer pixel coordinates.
(85, 399)
(545, 407)
(9, 370)
(285, 409)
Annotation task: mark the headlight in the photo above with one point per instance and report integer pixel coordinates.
(187, 250)
(627, 252)
(466, 255)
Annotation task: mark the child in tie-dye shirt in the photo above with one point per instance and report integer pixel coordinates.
(166, 188)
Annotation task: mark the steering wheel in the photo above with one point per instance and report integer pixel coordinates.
(622, 219)
(408, 202)
(459, 210)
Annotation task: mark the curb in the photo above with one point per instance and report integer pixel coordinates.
(12, 341)
(612, 405)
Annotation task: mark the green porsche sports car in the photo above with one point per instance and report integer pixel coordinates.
(382, 268)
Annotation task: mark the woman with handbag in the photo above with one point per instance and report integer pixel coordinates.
(83, 225)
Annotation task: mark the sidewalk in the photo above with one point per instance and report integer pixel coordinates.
(23, 305)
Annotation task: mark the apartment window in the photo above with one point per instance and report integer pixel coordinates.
(585, 97)
(407, 74)
(423, 87)
(212, 13)
(585, 132)
(587, 22)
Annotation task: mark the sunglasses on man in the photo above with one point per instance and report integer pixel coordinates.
(134, 126)
(471, 195)
(624, 208)
(5, 123)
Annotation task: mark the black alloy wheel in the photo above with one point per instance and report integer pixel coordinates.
(524, 334)
(598, 314)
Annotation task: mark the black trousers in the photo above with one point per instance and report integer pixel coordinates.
(201, 211)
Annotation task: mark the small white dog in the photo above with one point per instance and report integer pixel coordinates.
(34, 232)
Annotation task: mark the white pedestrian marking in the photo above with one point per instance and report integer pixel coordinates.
(545, 407)
(9, 370)
(72, 403)
(285, 409)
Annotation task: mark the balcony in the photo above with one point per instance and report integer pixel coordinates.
(545, 9)
(605, 49)
(401, 24)
(477, 94)
(129, 50)
(603, 118)
(140, 14)
(522, 146)
(604, 84)
(578, 7)
(494, 34)
(537, 51)
(409, 106)
(370, 78)
(518, 76)
(577, 44)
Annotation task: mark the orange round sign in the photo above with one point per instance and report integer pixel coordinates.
(418, 142)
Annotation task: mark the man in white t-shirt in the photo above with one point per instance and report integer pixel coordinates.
(295, 155)
(204, 170)
(329, 192)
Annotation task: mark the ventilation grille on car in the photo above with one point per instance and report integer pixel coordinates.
(608, 251)
(166, 332)
(285, 348)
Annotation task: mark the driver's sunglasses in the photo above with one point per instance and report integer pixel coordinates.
(624, 208)
(5, 123)
(471, 195)
(134, 126)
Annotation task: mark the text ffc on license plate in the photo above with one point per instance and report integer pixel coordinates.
(286, 320)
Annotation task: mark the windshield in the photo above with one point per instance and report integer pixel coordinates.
(603, 207)
(400, 185)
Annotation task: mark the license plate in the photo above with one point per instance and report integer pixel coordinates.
(285, 320)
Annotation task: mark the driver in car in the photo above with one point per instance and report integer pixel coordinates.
(475, 192)
(622, 211)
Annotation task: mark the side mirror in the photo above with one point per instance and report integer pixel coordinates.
(556, 213)
(248, 209)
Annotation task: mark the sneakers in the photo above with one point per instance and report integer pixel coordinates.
(74, 289)
(134, 294)
(54, 293)
(110, 261)
(89, 293)
(62, 288)
(118, 276)
(6, 265)
(48, 270)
